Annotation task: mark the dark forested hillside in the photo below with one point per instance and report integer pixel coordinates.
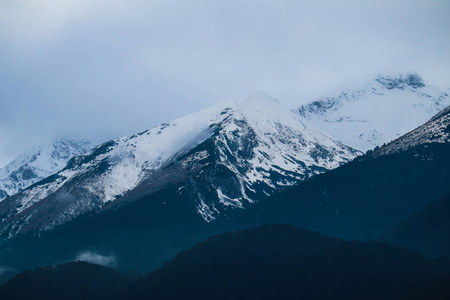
(283, 262)
(427, 232)
(70, 281)
(269, 262)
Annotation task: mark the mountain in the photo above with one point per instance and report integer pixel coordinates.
(42, 161)
(364, 199)
(283, 262)
(370, 196)
(367, 115)
(221, 159)
(269, 262)
(428, 231)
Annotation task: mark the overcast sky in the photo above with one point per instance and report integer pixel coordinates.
(102, 69)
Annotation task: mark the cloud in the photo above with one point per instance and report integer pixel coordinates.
(96, 258)
(103, 69)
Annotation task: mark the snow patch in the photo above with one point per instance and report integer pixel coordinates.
(227, 201)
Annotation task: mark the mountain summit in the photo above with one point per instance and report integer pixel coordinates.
(33, 166)
(376, 112)
(221, 158)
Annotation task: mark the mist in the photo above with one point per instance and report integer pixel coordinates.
(104, 69)
(96, 258)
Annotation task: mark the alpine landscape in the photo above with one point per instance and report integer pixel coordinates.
(125, 177)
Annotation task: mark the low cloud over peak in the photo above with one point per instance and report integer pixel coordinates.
(74, 68)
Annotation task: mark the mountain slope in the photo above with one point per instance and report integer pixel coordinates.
(436, 130)
(428, 231)
(368, 115)
(370, 196)
(283, 262)
(226, 157)
(31, 167)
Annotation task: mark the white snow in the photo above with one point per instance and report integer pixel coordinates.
(136, 155)
(227, 201)
(34, 195)
(207, 213)
(38, 163)
(369, 114)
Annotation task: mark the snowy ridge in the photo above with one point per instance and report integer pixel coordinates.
(254, 144)
(31, 167)
(376, 112)
(436, 130)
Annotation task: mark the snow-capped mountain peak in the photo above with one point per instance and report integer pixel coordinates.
(38, 163)
(223, 157)
(375, 112)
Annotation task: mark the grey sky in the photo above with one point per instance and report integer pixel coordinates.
(103, 69)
